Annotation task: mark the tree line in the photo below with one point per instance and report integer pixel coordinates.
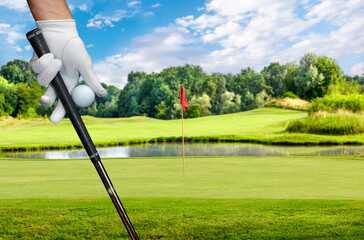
(158, 94)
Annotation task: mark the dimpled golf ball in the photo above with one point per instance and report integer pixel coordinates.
(83, 96)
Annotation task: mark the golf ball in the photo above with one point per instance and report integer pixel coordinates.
(83, 96)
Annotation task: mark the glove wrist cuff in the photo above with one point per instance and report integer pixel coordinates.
(66, 24)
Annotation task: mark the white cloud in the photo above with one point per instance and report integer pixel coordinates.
(358, 69)
(100, 20)
(4, 27)
(89, 45)
(13, 35)
(156, 5)
(83, 7)
(134, 3)
(17, 5)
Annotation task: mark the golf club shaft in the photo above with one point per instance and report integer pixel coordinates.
(40, 47)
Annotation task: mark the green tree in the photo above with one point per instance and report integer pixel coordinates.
(8, 97)
(229, 103)
(308, 80)
(288, 81)
(161, 111)
(331, 72)
(17, 71)
(262, 98)
(193, 111)
(274, 76)
(248, 101)
(205, 105)
(27, 99)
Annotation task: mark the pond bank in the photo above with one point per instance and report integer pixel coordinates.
(284, 139)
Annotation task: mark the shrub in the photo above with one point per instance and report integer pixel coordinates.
(290, 95)
(335, 103)
(290, 103)
(331, 124)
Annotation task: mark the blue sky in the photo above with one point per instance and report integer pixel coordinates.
(219, 35)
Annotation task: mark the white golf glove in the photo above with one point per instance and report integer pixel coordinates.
(69, 57)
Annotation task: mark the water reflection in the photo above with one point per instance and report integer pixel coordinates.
(196, 149)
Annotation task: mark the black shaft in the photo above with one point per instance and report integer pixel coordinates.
(40, 47)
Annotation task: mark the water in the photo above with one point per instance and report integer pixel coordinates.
(195, 149)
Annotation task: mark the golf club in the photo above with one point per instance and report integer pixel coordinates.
(40, 47)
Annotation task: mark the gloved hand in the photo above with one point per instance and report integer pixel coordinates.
(69, 57)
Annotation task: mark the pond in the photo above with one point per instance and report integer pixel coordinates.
(195, 149)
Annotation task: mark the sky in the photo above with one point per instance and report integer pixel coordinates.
(219, 35)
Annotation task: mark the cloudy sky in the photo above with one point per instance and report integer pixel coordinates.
(219, 35)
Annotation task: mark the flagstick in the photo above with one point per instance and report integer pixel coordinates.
(183, 146)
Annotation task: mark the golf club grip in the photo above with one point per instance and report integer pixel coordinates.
(40, 47)
(36, 39)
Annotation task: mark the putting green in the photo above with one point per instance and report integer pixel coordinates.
(206, 177)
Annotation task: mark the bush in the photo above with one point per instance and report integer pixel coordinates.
(290, 95)
(336, 103)
(289, 103)
(331, 124)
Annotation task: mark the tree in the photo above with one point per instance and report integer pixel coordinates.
(262, 98)
(205, 105)
(229, 102)
(331, 72)
(27, 99)
(288, 81)
(308, 82)
(274, 76)
(250, 81)
(17, 71)
(248, 102)
(161, 111)
(328, 73)
(193, 111)
(8, 97)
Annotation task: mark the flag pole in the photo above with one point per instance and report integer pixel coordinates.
(183, 146)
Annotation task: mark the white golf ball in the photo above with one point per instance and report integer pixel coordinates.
(83, 96)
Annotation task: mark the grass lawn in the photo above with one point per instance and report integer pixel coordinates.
(265, 125)
(219, 198)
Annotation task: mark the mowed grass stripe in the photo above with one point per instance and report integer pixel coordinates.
(206, 177)
(182, 218)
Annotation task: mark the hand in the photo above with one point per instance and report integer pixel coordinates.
(69, 57)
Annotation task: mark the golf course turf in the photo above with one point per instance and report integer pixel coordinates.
(219, 198)
(245, 197)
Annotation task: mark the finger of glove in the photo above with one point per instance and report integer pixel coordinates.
(48, 98)
(58, 113)
(39, 64)
(47, 75)
(84, 65)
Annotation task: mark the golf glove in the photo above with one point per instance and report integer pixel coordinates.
(69, 57)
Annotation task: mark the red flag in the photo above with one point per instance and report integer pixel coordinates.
(183, 99)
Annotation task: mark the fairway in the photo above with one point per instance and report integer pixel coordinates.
(264, 125)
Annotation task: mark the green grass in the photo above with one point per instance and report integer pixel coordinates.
(264, 125)
(182, 218)
(219, 198)
(206, 177)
